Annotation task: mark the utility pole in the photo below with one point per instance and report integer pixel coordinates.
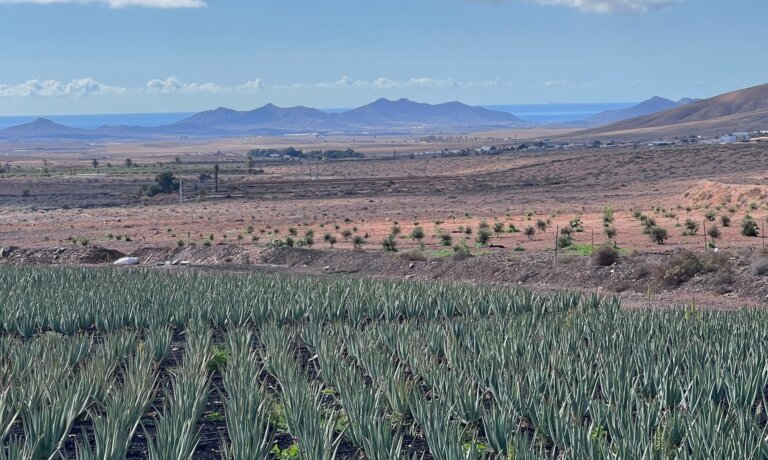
(181, 190)
(425, 166)
(216, 178)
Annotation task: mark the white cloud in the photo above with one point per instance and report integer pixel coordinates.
(90, 87)
(384, 83)
(52, 88)
(612, 6)
(174, 85)
(162, 4)
(604, 6)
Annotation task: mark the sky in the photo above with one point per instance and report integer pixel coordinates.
(123, 56)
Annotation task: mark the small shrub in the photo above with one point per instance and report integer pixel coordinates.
(605, 255)
(710, 215)
(576, 224)
(607, 216)
(483, 236)
(417, 234)
(658, 234)
(679, 269)
(725, 221)
(498, 228)
(759, 267)
(691, 227)
(610, 232)
(358, 242)
(413, 255)
(460, 252)
(541, 225)
(714, 232)
(446, 239)
(564, 241)
(749, 226)
(529, 232)
(389, 244)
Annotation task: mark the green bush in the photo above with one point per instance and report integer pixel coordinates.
(749, 226)
(483, 236)
(389, 244)
(658, 234)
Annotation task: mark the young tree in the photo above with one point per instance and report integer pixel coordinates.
(749, 226)
(389, 243)
(165, 182)
(498, 228)
(658, 234)
(417, 234)
(483, 236)
(329, 238)
(530, 232)
(541, 224)
(358, 241)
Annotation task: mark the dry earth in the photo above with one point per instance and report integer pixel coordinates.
(70, 205)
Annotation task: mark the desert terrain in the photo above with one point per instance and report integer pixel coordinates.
(58, 207)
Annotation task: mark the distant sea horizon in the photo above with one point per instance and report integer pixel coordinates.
(535, 113)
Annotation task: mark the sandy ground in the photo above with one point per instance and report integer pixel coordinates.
(68, 206)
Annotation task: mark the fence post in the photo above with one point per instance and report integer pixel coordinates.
(557, 231)
(706, 248)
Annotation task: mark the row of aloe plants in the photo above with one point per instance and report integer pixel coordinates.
(71, 300)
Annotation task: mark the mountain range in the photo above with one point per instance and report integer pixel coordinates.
(653, 105)
(743, 110)
(381, 116)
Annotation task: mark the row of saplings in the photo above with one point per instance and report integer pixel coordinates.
(659, 235)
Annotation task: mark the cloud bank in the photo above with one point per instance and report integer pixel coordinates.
(84, 87)
(52, 88)
(604, 6)
(162, 4)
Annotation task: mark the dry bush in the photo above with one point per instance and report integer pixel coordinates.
(413, 256)
(759, 267)
(605, 255)
(679, 268)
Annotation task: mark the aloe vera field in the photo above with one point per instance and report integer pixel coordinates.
(112, 364)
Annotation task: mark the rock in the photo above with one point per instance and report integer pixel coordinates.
(411, 265)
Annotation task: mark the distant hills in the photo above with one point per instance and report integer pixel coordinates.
(653, 105)
(742, 110)
(381, 116)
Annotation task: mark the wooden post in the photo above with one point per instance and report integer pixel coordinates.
(216, 178)
(557, 232)
(593, 240)
(706, 248)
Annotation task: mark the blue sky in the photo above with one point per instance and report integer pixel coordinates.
(109, 56)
